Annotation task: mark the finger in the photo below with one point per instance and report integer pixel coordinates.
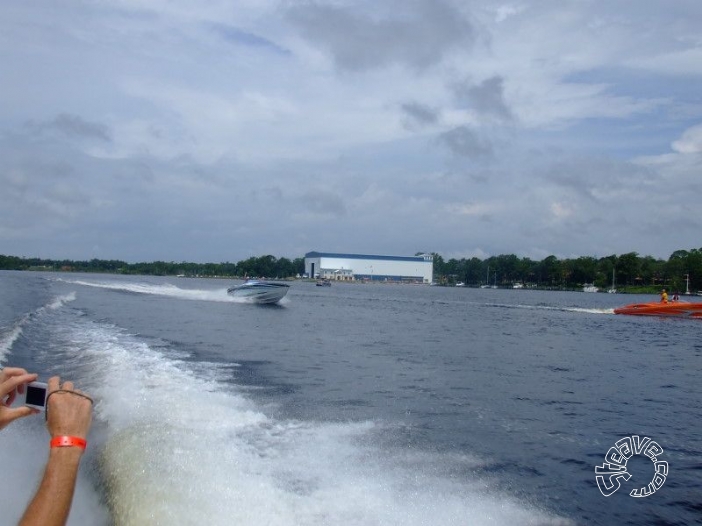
(85, 395)
(19, 373)
(68, 386)
(52, 384)
(12, 371)
(9, 385)
(20, 412)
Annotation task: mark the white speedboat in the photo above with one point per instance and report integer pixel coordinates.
(255, 291)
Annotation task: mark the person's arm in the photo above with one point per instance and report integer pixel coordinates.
(12, 381)
(52, 502)
(69, 413)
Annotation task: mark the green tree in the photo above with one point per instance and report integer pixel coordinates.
(630, 268)
(439, 268)
(584, 270)
(550, 271)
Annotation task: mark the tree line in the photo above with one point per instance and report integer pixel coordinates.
(263, 266)
(627, 271)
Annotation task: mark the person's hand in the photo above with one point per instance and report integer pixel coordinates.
(68, 410)
(12, 381)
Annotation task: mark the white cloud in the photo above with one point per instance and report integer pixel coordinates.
(561, 210)
(471, 209)
(505, 11)
(690, 141)
(686, 62)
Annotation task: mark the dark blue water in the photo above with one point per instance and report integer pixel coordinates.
(356, 404)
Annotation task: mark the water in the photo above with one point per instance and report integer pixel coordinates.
(353, 404)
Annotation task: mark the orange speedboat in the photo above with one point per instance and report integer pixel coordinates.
(679, 309)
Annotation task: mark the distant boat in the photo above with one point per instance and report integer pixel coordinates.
(255, 291)
(518, 286)
(612, 290)
(460, 284)
(487, 281)
(323, 283)
(589, 287)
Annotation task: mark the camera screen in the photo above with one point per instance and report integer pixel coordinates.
(36, 395)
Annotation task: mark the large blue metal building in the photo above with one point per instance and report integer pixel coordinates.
(349, 267)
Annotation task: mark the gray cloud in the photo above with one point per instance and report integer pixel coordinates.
(73, 126)
(464, 142)
(323, 202)
(485, 98)
(418, 35)
(602, 180)
(419, 115)
(237, 36)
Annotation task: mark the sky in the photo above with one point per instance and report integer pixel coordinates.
(220, 130)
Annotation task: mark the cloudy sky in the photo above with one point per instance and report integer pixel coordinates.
(219, 130)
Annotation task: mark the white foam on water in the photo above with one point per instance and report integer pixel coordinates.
(11, 334)
(60, 301)
(177, 446)
(166, 290)
(590, 311)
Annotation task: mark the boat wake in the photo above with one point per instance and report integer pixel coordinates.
(588, 310)
(167, 290)
(9, 335)
(176, 442)
(228, 461)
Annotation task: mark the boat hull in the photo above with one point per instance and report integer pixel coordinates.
(678, 309)
(259, 291)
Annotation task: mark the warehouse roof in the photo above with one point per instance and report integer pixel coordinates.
(362, 256)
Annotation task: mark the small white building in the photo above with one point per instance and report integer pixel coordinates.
(348, 267)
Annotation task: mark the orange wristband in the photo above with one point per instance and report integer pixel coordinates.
(67, 441)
